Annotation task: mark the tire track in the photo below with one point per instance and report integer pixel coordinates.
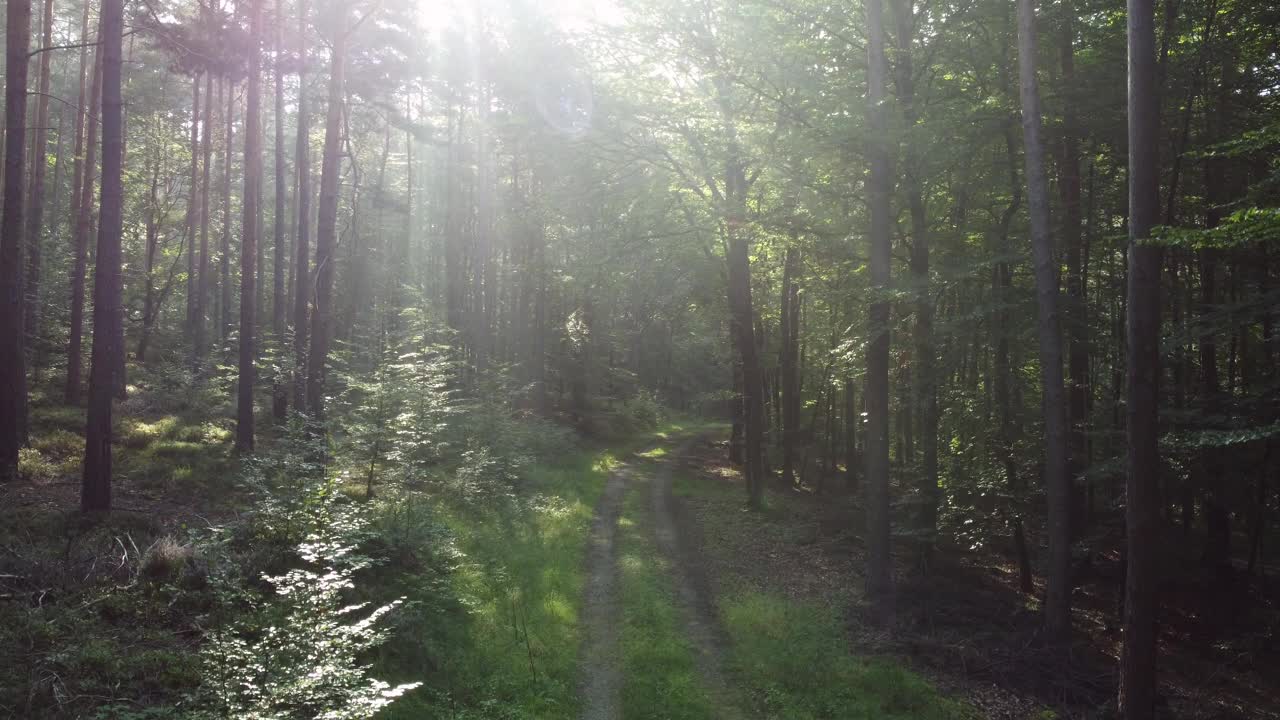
(693, 592)
(600, 679)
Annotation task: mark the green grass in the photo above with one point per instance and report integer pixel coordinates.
(520, 582)
(511, 651)
(795, 659)
(660, 677)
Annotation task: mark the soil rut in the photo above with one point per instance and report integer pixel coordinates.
(600, 684)
(673, 531)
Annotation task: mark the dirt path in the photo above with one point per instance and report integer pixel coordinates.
(600, 682)
(693, 591)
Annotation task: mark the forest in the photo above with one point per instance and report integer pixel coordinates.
(644, 359)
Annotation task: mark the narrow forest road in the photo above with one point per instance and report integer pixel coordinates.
(601, 611)
(602, 675)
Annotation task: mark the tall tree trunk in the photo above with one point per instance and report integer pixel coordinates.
(1217, 548)
(879, 581)
(1137, 693)
(35, 196)
(249, 224)
(108, 312)
(13, 371)
(752, 387)
(224, 256)
(149, 307)
(193, 208)
(279, 301)
(302, 268)
(80, 240)
(924, 396)
(201, 346)
(850, 436)
(326, 230)
(1076, 309)
(1057, 609)
(790, 352)
(1002, 280)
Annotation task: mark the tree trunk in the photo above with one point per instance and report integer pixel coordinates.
(224, 259)
(35, 196)
(193, 207)
(1057, 610)
(1217, 548)
(249, 224)
(744, 334)
(851, 419)
(326, 231)
(279, 301)
(1075, 307)
(149, 309)
(879, 583)
(95, 494)
(1137, 693)
(924, 396)
(301, 265)
(83, 196)
(206, 175)
(790, 374)
(1002, 279)
(13, 372)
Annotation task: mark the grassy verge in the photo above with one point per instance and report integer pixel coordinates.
(660, 678)
(509, 648)
(796, 660)
(512, 650)
(793, 657)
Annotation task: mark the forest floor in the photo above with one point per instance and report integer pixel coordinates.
(964, 625)
(625, 580)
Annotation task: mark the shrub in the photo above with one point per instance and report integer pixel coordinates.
(296, 651)
(34, 467)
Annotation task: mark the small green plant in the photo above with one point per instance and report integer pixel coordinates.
(34, 467)
(298, 652)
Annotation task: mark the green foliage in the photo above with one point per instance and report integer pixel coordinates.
(519, 574)
(35, 467)
(1248, 227)
(296, 648)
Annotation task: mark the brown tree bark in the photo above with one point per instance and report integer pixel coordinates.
(108, 312)
(923, 392)
(879, 581)
(193, 207)
(302, 290)
(789, 362)
(1057, 609)
(1075, 308)
(224, 255)
(200, 345)
(1002, 279)
(249, 225)
(279, 300)
(1137, 693)
(149, 306)
(13, 371)
(82, 197)
(35, 195)
(851, 419)
(326, 230)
